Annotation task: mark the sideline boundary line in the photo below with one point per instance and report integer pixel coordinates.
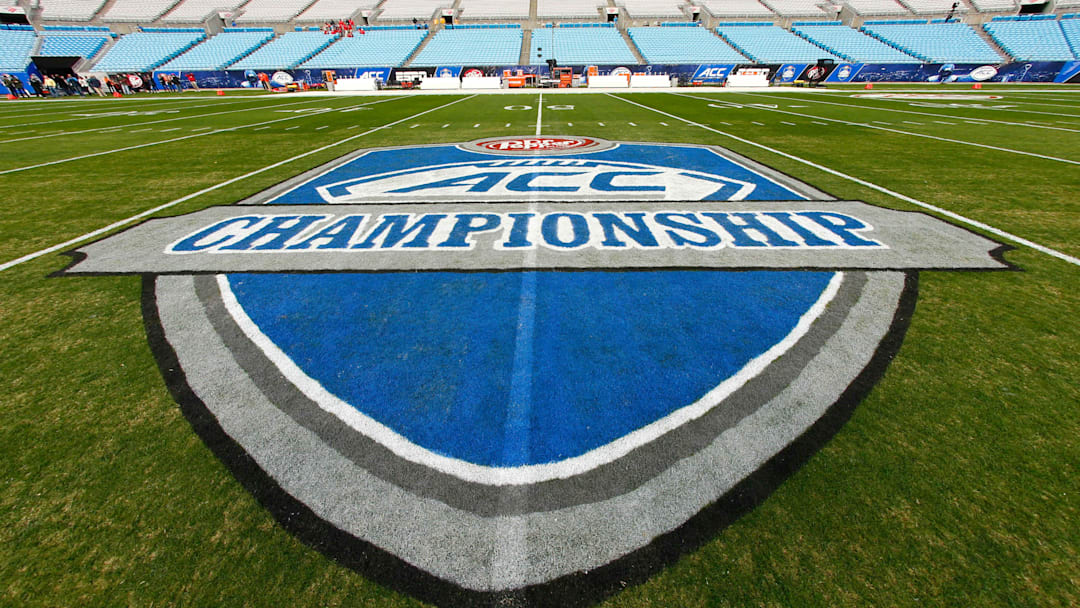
(165, 141)
(139, 124)
(888, 130)
(172, 203)
(990, 120)
(950, 214)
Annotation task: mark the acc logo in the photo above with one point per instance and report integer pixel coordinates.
(518, 399)
(711, 73)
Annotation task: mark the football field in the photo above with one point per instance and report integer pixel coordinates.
(956, 480)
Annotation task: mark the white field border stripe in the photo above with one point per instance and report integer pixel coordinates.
(120, 114)
(539, 113)
(1004, 99)
(526, 474)
(166, 141)
(42, 106)
(886, 129)
(150, 122)
(955, 216)
(848, 105)
(148, 212)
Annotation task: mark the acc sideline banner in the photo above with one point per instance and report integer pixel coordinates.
(526, 369)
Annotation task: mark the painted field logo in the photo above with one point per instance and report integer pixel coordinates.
(494, 379)
(530, 144)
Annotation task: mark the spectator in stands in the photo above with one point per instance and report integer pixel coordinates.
(94, 85)
(191, 81)
(35, 83)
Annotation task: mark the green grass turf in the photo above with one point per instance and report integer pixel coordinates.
(955, 483)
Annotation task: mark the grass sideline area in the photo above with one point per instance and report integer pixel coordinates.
(956, 482)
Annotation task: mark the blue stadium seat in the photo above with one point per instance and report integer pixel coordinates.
(144, 51)
(15, 47)
(580, 46)
(852, 45)
(375, 48)
(472, 46)
(935, 42)
(1041, 40)
(771, 44)
(285, 52)
(220, 51)
(71, 46)
(682, 45)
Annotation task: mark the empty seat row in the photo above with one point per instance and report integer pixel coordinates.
(651, 8)
(332, 10)
(494, 9)
(144, 51)
(852, 45)
(468, 46)
(1031, 40)
(580, 45)
(936, 42)
(375, 48)
(271, 11)
(771, 44)
(403, 10)
(286, 51)
(15, 47)
(70, 10)
(221, 51)
(674, 45)
(71, 46)
(139, 11)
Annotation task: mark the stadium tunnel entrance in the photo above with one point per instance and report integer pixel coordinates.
(56, 65)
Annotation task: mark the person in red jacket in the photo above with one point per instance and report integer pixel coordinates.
(191, 81)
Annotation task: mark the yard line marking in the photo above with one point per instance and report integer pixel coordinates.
(292, 127)
(933, 114)
(153, 143)
(446, 125)
(507, 126)
(952, 215)
(260, 128)
(154, 122)
(476, 125)
(353, 127)
(992, 109)
(600, 123)
(725, 123)
(914, 134)
(912, 122)
(539, 112)
(170, 110)
(321, 128)
(787, 123)
(633, 125)
(796, 106)
(139, 216)
(140, 130)
(879, 122)
(760, 124)
(569, 124)
(824, 124)
(414, 126)
(663, 123)
(942, 122)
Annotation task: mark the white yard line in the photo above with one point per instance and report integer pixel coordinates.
(539, 113)
(909, 133)
(124, 111)
(931, 114)
(173, 203)
(175, 139)
(952, 215)
(154, 122)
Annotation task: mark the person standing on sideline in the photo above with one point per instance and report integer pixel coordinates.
(191, 81)
(94, 85)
